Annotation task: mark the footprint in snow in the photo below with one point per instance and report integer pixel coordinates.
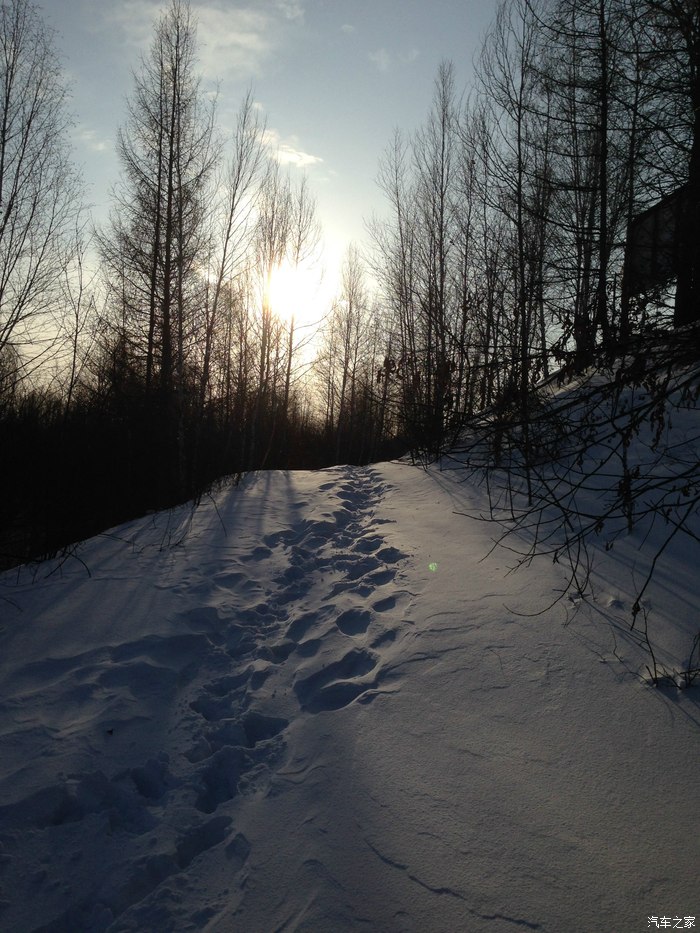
(200, 839)
(251, 730)
(385, 638)
(129, 898)
(309, 648)
(237, 851)
(361, 567)
(380, 577)
(206, 621)
(390, 555)
(126, 800)
(336, 685)
(258, 554)
(260, 728)
(384, 605)
(212, 709)
(302, 625)
(287, 538)
(219, 780)
(276, 654)
(354, 621)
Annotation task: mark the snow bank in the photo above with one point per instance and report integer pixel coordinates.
(313, 704)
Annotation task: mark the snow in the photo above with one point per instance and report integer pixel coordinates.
(316, 702)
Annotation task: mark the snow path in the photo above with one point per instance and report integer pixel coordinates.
(319, 709)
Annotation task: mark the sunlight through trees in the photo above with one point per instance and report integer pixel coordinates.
(189, 337)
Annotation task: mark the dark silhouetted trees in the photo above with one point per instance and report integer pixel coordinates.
(40, 191)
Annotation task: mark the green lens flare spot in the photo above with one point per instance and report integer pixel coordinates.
(432, 567)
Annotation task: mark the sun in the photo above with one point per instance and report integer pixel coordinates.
(294, 293)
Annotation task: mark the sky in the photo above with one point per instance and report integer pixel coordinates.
(334, 79)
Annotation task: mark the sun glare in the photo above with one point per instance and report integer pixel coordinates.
(294, 292)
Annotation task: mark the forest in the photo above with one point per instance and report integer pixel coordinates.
(143, 360)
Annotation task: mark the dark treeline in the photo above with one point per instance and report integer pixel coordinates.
(503, 256)
(141, 361)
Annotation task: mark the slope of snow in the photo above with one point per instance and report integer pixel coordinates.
(313, 704)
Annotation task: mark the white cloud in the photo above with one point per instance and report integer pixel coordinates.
(291, 9)
(233, 40)
(382, 59)
(289, 155)
(287, 152)
(91, 140)
(135, 18)
(347, 29)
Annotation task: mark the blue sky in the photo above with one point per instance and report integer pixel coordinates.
(334, 79)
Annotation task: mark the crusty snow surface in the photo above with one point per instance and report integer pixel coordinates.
(313, 703)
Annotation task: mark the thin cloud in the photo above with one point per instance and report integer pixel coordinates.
(289, 155)
(91, 140)
(385, 61)
(291, 9)
(234, 40)
(231, 40)
(348, 29)
(382, 59)
(287, 151)
(135, 19)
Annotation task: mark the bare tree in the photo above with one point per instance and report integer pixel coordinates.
(156, 244)
(304, 237)
(80, 312)
(394, 263)
(418, 253)
(672, 32)
(346, 346)
(156, 238)
(271, 242)
(287, 234)
(40, 191)
(233, 223)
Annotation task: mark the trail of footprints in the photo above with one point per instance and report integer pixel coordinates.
(341, 559)
(338, 564)
(314, 617)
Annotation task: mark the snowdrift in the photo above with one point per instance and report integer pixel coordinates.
(313, 703)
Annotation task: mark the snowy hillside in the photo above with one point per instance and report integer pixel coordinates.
(312, 704)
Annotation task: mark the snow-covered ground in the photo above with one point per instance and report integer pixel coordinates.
(313, 704)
